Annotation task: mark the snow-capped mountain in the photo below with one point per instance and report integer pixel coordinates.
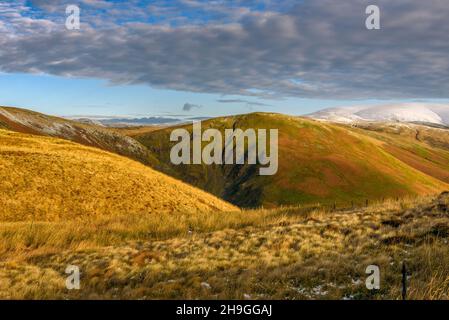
(403, 112)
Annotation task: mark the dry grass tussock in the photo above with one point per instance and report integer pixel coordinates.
(286, 253)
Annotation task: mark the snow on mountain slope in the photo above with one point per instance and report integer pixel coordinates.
(403, 112)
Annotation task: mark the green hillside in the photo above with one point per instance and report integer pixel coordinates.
(318, 163)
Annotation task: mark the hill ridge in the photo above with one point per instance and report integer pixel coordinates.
(318, 163)
(27, 121)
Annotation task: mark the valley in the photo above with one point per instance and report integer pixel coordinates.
(319, 162)
(345, 197)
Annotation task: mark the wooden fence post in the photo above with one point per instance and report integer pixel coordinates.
(404, 281)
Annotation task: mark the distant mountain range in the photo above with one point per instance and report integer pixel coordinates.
(404, 112)
(131, 122)
(424, 113)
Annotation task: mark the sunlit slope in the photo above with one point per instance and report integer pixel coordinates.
(318, 163)
(27, 121)
(43, 178)
(422, 147)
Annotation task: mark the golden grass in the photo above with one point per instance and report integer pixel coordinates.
(286, 253)
(48, 179)
(138, 234)
(98, 231)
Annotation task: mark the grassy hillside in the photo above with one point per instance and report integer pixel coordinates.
(136, 233)
(423, 148)
(288, 253)
(49, 179)
(318, 163)
(137, 130)
(26, 121)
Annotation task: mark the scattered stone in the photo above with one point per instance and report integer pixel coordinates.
(205, 285)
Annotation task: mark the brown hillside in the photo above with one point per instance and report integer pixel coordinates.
(27, 121)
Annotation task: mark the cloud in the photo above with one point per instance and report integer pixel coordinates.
(190, 106)
(98, 3)
(309, 49)
(48, 5)
(247, 102)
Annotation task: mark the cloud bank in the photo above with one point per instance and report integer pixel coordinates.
(307, 49)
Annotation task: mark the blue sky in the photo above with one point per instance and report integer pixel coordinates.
(68, 97)
(219, 57)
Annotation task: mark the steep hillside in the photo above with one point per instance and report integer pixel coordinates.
(422, 147)
(27, 121)
(318, 163)
(49, 179)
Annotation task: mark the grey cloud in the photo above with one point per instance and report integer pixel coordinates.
(247, 102)
(98, 3)
(190, 106)
(317, 49)
(54, 5)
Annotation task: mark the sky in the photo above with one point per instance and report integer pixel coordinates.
(217, 57)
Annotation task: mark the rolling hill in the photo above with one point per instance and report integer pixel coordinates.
(422, 147)
(319, 162)
(49, 179)
(89, 134)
